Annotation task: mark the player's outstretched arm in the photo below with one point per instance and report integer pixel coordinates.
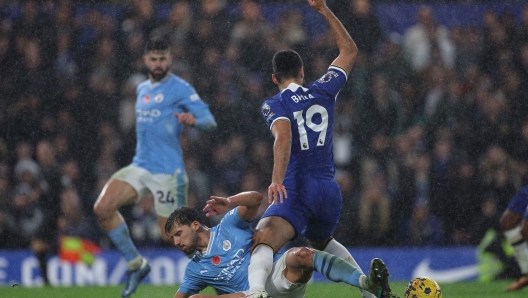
(203, 120)
(248, 203)
(347, 48)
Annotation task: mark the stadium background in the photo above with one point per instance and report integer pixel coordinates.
(427, 155)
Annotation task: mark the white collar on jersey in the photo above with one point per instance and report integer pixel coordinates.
(293, 87)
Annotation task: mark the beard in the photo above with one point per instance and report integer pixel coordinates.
(159, 75)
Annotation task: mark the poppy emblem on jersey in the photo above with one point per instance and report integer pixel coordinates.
(226, 245)
(265, 109)
(146, 99)
(158, 98)
(216, 260)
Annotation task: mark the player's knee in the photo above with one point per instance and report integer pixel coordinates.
(102, 210)
(303, 257)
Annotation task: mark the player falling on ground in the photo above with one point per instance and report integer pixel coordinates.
(307, 199)
(165, 104)
(514, 222)
(222, 254)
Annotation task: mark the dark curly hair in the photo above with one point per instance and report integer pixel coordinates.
(156, 45)
(184, 216)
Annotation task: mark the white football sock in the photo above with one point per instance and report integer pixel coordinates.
(520, 247)
(336, 248)
(260, 266)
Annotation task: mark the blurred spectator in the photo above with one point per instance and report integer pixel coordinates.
(248, 35)
(73, 221)
(375, 212)
(423, 228)
(50, 187)
(290, 28)
(428, 42)
(140, 15)
(391, 63)
(362, 24)
(381, 109)
(25, 217)
(463, 192)
(347, 229)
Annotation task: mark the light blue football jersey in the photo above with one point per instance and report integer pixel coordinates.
(311, 112)
(224, 265)
(158, 131)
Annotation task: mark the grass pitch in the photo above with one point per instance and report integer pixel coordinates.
(320, 290)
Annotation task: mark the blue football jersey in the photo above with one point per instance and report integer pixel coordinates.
(158, 131)
(224, 264)
(310, 111)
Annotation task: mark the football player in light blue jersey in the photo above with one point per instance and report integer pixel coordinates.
(307, 199)
(222, 254)
(165, 104)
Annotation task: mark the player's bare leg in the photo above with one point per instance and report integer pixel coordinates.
(516, 232)
(115, 194)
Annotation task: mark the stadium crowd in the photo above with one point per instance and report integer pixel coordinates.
(431, 135)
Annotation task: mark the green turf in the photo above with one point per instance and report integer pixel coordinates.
(320, 290)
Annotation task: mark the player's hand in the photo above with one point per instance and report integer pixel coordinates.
(317, 5)
(277, 193)
(216, 206)
(185, 118)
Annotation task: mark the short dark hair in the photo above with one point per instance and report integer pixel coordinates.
(156, 45)
(184, 216)
(286, 64)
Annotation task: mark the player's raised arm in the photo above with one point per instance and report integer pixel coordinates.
(347, 48)
(248, 203)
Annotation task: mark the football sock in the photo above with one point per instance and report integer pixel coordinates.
(120, 236)
(336, 269)
(336, 248)
(520, 247)
(260, 266)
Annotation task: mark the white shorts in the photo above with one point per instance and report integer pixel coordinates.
(277, 286)
(169, 191)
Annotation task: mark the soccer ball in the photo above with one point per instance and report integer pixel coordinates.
(423, 287)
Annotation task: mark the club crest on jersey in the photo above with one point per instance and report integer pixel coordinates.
(215, 260)
(146, 99)
(158, 98)
(328, 76)
(266, 109)
(226, 245)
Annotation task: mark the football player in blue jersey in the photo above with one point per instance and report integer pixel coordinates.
(222, 254)
(307, 200)
(165, 104)
(514, 222)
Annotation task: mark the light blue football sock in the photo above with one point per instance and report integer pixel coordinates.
(336, 269)
(120, 236)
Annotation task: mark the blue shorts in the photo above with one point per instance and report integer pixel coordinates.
(313, 207)
(519, 202)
